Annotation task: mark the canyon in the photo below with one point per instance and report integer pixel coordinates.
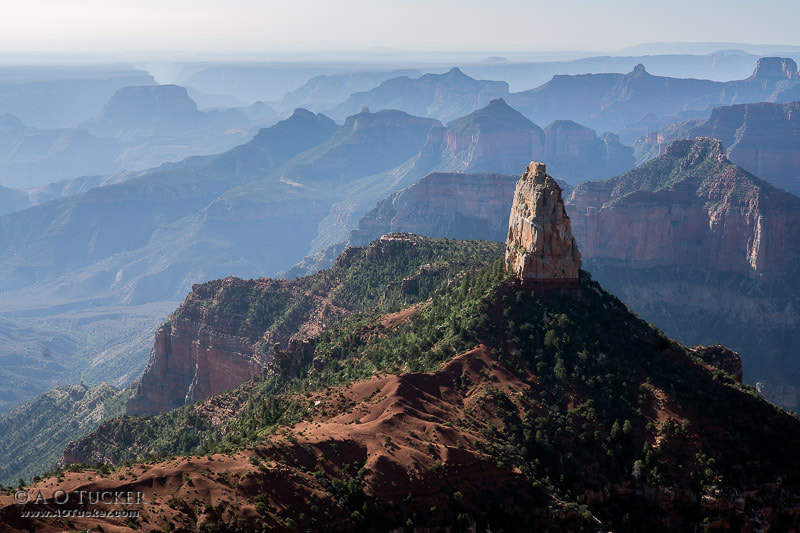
(496, 386)
(691, 242)
(763, 138)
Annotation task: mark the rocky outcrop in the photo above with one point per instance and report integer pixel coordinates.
(202, 350)
(658, 237)
(540, 245)
(762, 138)
(776, 68)
(721, 358)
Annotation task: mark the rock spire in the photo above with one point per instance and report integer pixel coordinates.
(540, 246)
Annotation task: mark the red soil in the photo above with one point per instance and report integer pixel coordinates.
(403, 429)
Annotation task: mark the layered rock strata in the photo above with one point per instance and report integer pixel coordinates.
(691, 206)
(762, 138)
(200, 352)
(231, 330)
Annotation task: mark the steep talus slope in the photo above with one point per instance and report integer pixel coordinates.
(762, 138)
(206, 349)
(35, 432)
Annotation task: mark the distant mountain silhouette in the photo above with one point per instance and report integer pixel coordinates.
(497, 138)
(609, 102)
(144, 237)
(163, 110)
(62, 97)
(31, 156)
(327, 90)
(140, 127)
(247, 211)
(442, 96)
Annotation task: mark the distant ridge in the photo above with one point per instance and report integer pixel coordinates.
(442, 96)
(763, 138)
(617, 102)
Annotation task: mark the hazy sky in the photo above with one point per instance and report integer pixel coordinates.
(58, 26)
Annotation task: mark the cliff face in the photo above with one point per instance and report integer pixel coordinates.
(200, 351)
(704, 250)
(230, 330)
(762, 138)
(689, 207)
(540, 245)
(776, 68)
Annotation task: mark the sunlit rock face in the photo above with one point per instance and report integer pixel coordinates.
(540, 246)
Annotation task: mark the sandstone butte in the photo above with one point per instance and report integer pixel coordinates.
(540, 247)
